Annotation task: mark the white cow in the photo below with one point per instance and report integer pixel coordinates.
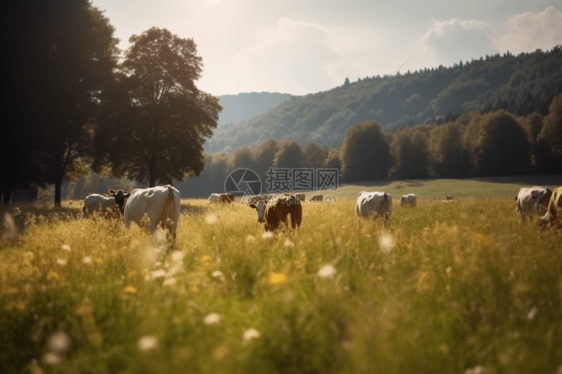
(409, 199)
(160, 204)
(374, 204)
(214, 198)
(99, 203)
(531, 200)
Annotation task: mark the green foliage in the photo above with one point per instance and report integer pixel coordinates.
(289, 155)
(365, 153)
(551, 132)
(411, 154)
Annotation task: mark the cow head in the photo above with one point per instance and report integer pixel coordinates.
(260, 207)
(120, 198)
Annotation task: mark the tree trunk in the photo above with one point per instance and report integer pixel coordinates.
(58, 185)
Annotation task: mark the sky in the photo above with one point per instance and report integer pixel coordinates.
(307, 46)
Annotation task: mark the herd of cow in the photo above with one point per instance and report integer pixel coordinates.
(161, 205)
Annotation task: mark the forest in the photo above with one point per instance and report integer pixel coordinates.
(521, 85)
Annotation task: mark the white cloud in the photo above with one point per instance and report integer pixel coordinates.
(298, 57)
(451, 41)
(528, 31)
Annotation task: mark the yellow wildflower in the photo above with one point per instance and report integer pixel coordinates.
(98, 260)
(194, 290)
(277, 278)
(129, 291)
(206, 260)
(53, 276)
(132, 273)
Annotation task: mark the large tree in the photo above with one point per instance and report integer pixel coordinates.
(61, 55)
(154, 131)
(365, 153)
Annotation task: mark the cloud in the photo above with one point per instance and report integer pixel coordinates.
(528, 31)
(298, 58)
(451, 41)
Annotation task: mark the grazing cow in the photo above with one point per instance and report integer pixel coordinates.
(449, 197)
(221, 198)
(553, 216)
(316, 198)
(160, 204)
(99, 203)
(120, 197)
(408, 200)
(374, 204)
(276, 210)
(531, 200)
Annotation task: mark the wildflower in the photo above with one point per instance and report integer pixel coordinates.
(28, 256)
(129, 291)
(61, 261)
(277, 278)
(386, 242)
(532, 313)
(170, 282)
(250, 238)
(65, 247)
(194, 290)
(84, 309)
(217, 274)
(11, 231)
(87, 260)
(211, 219)
(59, 342)
(51, 358)
(205, 260)
(449, 271)
(476, 370)
(53, 276)
(327, 271)
(147, 343)
(177, 256)
(250, 334)
(158, 274)
(98, 260)
(289, 243)
(267, 235)
(132, 273)
(212, 319)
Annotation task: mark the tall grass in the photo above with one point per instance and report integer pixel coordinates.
(469, 286)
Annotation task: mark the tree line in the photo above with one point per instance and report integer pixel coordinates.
(74, 101)
(473, 145)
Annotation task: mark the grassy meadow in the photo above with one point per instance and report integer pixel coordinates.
(450, 287)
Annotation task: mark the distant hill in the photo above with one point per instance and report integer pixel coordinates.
(245, 105)
(520, 84)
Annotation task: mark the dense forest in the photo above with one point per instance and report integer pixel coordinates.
(472, 145)
(520, 84)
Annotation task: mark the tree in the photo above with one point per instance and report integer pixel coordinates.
(243, 157)
(289, 155)
(315, 155)
(63, 53)
(365, 153)
(155, 133)
(411, 154)
(346, 83)
(501, 146)
(551, 132)
(450, 157)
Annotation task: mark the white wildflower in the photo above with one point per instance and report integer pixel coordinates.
(212, 319)
(177, 256)
(59, 342)
(147, 343)
(386, 242)
(250, 238)
(157, 274)
(51, 358)
(327, 271)
(65, 247)
(211, 219)
(532, 313)
(267, 235)
(170, 282)
(250, 334)
(217, 274)
(62, 261)
(87, 260)
(289, 243)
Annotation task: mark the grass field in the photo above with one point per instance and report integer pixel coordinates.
(449, 287)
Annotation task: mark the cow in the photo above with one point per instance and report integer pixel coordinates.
(316, 198)
(221, 198)
(374, 204)
(99, 203)
(553, 216)
(530, 201)
(449, 197)
(408, 200)
(275, 211)
(120, 197)
(160, 204)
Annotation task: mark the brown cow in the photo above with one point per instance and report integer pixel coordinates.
(276, 210)
(553, 216)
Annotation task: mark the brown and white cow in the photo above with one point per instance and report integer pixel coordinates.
(221, 198)
(553, 216)
(532, 202)
(111, 206)
(273, 212)
(373, 205)
(408, 200)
